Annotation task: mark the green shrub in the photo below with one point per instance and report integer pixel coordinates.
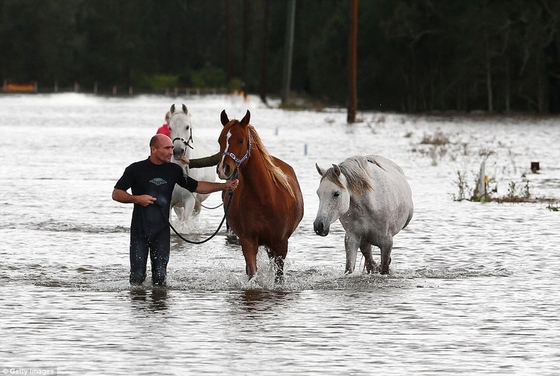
(160, 81)
(208, 77)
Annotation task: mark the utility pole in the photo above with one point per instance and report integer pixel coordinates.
(288, 51)
(352, 63)
(264, 53)
(245, 45)
(228, 41)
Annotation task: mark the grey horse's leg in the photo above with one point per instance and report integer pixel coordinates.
(351, 244)
(386, 245)
(371, 266)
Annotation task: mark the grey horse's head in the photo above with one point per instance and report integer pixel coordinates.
(334, 198)
(181, 130)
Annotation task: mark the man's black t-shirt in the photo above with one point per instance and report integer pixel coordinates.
(158, 181)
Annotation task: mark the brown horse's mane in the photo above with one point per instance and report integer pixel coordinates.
(357, 174)
(275, 172)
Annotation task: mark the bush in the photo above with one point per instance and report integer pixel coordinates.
(160, 81)
(208, 77)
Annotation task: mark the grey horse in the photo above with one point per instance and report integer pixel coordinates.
(373, 200)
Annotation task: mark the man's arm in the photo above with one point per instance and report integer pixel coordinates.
(126, 198)
(212, 160)
(205, 187)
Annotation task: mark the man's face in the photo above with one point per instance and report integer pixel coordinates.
(162, 151)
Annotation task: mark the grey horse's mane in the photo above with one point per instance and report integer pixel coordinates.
(356, 171)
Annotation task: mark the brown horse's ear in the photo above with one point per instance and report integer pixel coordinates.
(172, 109)
(185, 108)
(336, 169)
(246, 118)
(224, 118)
(320, 170)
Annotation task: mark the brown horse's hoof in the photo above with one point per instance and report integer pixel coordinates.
(231, 238)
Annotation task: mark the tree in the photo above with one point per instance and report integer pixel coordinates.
(288, 52)
(352, 62)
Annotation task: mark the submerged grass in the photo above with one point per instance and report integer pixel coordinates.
(482, 188)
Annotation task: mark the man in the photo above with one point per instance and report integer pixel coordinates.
(151, 182)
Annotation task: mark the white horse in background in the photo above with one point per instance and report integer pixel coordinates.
(187, 203)
(372, 199)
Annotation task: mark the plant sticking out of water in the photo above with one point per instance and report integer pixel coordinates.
(463, 187)
(518, 191)
(438, 146)
(475, 193)
(553, 206)
(437, 153)
(438, 139)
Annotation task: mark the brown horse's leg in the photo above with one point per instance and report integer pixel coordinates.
(279, 260)
(250, 250)
(280, 251)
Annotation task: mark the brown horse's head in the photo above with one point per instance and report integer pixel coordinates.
(235, 145)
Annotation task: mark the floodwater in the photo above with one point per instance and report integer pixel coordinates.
(473, 287)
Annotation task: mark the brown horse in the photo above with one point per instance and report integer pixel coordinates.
(267, 205)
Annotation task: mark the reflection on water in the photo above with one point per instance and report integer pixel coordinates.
(154, 300)
(471, 289)
(261, 300)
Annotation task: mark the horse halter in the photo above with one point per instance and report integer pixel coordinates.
(187, 143)
(237, 160)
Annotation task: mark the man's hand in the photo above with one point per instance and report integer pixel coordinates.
(205, 187)
(231, 185)
(145, 200)
(184, 160)
(126, 198)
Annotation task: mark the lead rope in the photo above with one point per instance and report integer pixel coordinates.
(208, 207)
(211, 236)
(235, 175)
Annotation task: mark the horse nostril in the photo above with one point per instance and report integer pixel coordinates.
(318, 227)
(223, 170)
(178, 153)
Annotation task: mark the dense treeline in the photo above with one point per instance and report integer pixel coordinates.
(413, 55)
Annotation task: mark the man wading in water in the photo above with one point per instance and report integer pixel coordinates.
(151, 182)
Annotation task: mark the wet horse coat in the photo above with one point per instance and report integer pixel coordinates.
(372, 199)
(267, 205)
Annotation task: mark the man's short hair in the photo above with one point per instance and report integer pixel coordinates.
(154, 141)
